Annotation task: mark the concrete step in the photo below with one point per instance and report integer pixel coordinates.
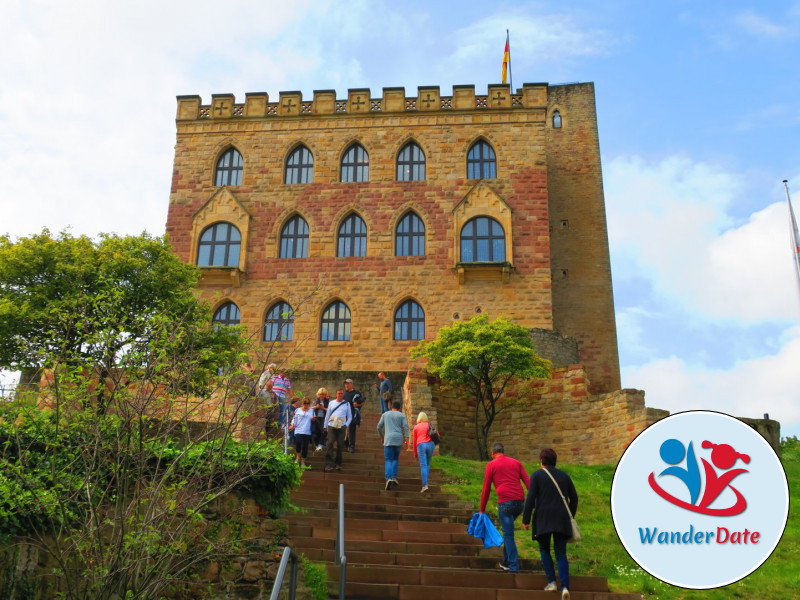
(361, 558)
(403, 591)
(377, 494)
(438, 508)
(301, 543)
(452, 578)
(350, 524)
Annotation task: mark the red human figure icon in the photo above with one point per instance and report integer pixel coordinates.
(724, 457)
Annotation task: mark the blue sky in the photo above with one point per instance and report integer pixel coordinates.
(699, 115)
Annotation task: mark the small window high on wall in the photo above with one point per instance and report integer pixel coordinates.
(300, 166)
(219, 246)
(229, 168)
(483, 240)
(227, 314)
(279, 324)
(335, 324)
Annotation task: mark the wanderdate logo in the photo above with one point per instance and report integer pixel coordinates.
(723, 457)
(699, 499)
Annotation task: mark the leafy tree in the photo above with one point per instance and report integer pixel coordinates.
(120, 497)
(483, 355)
(74, 301)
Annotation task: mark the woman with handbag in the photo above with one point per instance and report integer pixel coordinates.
(423, 447)
(553, 500)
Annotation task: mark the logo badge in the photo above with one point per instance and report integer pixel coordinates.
(699, 499)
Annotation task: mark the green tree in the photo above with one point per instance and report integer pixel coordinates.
(483, 355)
(121, 497)
(73, 301)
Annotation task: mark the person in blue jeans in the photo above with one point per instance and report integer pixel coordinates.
(423, 447)
(505, 473)
(551, 520)
(393, 429)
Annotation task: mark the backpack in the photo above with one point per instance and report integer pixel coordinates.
(433, 433)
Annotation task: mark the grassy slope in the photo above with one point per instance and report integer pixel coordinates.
(600, 553)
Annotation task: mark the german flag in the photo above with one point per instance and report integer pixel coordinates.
(506, 59)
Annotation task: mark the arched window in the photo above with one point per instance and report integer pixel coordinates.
(335, 325)
(409, 321)
(411, 163)
(483, 240)
(227, 314)
(556, 120)
(300, 166)
(279, 324)
(294, 238)
(410, 236)
(229, 168)
(352, 237)
(355, 164)
(219, 246)
(481, 161)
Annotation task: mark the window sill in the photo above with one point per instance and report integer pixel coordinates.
(483, 271)
(221, 276)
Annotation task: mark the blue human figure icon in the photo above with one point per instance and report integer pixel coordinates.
(672, 452)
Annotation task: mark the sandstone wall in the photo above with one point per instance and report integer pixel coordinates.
(558, 413)
(374, 286)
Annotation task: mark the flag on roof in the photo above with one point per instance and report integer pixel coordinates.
(506, 59)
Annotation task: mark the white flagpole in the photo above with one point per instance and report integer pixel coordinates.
(795, 235)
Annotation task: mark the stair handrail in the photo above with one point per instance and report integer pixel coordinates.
(341, 559)
(288, 554)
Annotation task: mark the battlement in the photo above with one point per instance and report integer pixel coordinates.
(360, 101)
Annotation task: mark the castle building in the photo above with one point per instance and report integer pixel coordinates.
(341, 231)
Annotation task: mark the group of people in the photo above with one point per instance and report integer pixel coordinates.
(550, 504)
(331, 424)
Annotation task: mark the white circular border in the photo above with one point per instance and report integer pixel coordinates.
(649, 430)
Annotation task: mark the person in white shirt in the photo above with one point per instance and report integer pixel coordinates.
(301, 425)
(337, 420)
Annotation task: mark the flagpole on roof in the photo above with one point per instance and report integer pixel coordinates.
(510, 76)
(506, 74)
(795, 234)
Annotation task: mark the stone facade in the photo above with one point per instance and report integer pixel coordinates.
(557, 413)
(547, 196)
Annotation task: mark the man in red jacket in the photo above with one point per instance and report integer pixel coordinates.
(505, 473)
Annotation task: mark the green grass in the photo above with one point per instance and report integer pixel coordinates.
(601, 553)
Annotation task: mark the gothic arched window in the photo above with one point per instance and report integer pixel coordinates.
(229, 168)
(294, 238)
(219, 246)
(227, 314)
(409, 321)
(481, 161)
(483, 240)
(556, 120)
(352, 237)
(411, 163)
(279, 324)
(410, 236)
(300, 166)
(335, 324)
(355, 164)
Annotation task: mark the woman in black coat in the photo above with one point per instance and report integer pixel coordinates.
(550, 517)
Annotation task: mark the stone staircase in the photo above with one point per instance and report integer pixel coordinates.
(404, 545)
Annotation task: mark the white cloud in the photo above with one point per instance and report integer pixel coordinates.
(767, 384)
(760, 26)
(670, 223)
(535, 40)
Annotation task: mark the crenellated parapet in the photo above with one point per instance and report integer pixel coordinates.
(361, 101)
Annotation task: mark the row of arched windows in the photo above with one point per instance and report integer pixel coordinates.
(409, 321)
(482, 240)
(481, 164)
